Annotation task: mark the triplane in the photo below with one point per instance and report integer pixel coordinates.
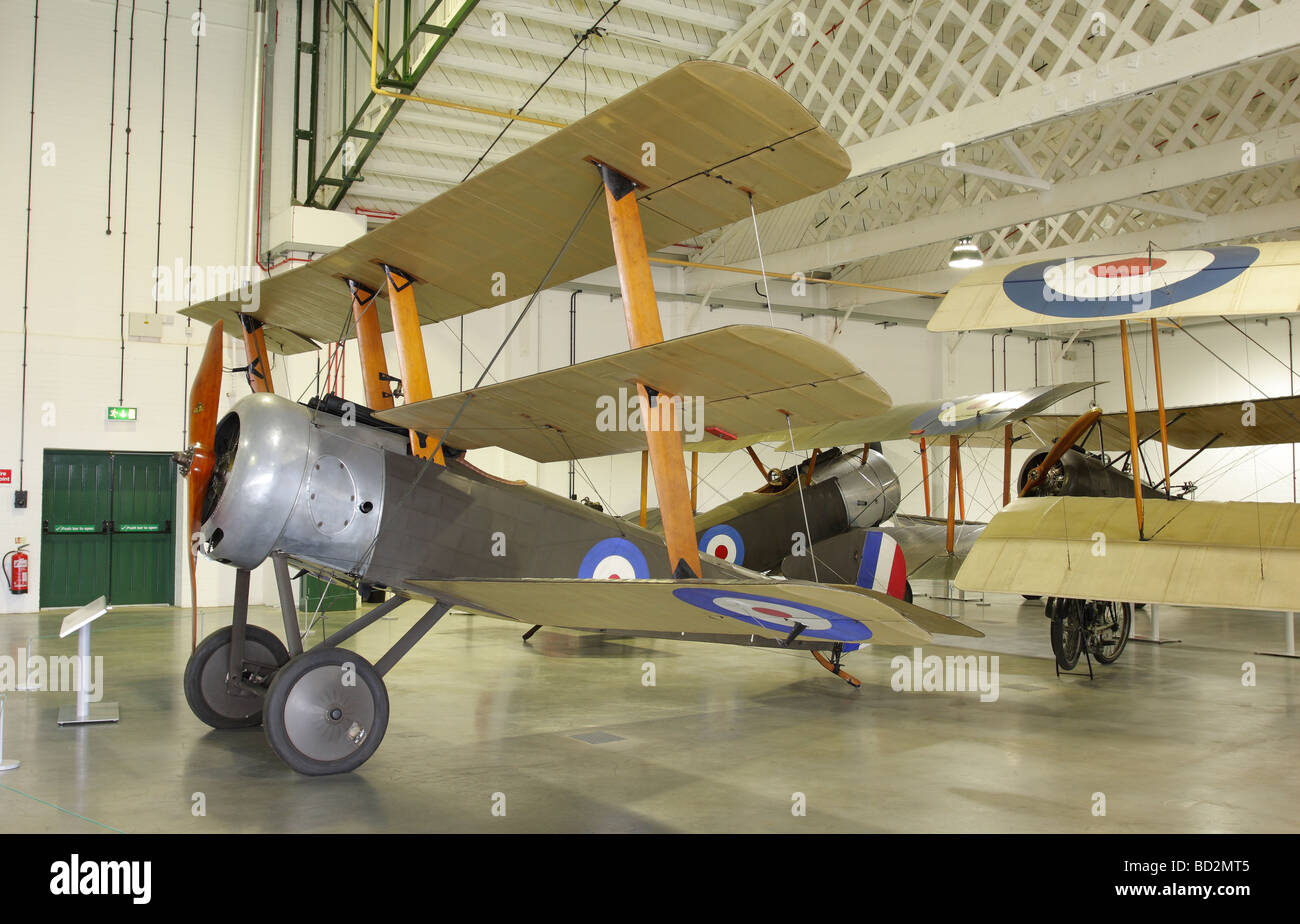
(384, 495)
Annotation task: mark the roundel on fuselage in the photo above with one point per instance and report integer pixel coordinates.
(723, 541)
(614, 559)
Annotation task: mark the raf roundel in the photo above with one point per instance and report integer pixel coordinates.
(723, 541)
(1097, 287)
(774, 613)
(614, 560)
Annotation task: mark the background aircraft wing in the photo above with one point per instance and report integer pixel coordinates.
(968, 415)
(1258, 422)
(1205, 553)
(697, 138)
(1242, 280)
(747, 377)
(704, 610)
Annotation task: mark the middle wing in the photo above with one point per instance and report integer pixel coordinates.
(748, 378)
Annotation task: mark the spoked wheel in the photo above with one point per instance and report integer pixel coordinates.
(205, 677)
(1067, 632)
(1114, 623)
(326, 712)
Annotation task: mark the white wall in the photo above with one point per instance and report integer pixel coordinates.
(76, 281)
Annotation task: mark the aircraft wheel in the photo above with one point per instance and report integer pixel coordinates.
(1067, 633)
(326, 712)
(1111, 640)
(205, 677)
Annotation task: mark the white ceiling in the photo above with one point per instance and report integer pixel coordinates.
(1071, 129)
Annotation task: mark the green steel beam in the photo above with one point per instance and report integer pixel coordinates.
(395, 70)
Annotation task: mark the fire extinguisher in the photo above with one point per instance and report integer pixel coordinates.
(15, 570)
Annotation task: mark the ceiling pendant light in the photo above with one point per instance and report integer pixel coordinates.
(965, 255)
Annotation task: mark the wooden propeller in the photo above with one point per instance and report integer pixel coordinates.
(1072, 435)
(205, 395)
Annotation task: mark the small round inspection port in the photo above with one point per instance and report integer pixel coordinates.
(366, 506)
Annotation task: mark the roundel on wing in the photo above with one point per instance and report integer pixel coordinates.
(723, 541)
(614, 559)
(1096, 287)
(774, 613)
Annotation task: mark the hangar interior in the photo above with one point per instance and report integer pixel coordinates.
(173, 141)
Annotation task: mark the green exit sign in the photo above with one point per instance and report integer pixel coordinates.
(121, 413)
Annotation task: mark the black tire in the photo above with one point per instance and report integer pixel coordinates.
(317, 722)
(1067, 633)
(1112, 644)
(205, 677)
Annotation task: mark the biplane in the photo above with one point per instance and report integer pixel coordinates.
(384, 494)
(1157, 548)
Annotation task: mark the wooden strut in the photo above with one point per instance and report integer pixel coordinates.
(925, 476)
(961, 484)
(952, 492)
(374, 364)
(757, 463)
(1134, 449)
(645, 479)
(410, 353)
(1006, 465)
(1160, 401)
(259, 367)
(641, 312)
(812, 464)
(695, 482)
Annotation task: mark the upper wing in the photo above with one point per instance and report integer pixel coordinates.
(718, 132)
(747, 376)
(1260, 422)
(704, 610)
(955, 417)
(1205, 553)
(1254, 280)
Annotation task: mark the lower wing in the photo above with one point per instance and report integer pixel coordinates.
(743, 612)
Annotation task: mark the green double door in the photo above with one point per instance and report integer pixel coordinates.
(106, 524)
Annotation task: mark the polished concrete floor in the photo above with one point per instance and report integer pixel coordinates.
(723, 741)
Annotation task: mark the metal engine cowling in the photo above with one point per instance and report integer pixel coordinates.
(870, 489)
(287, 479)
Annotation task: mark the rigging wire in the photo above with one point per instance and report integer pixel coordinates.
(162, 124)
(593, 29)
(112, 124)
(126, 189)
(532, 300)
(27, 249)
(189, 253)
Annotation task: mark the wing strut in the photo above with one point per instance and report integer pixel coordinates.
(258, 369)
(925, 475)
(374, 365)
(1160, 400)
(410, 352)
(1134, 448)
(641, 311)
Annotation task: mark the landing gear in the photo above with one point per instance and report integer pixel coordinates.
(235, 703)
(1067, 632)
(1113, 622)
(1099, 627)
(326, 712)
